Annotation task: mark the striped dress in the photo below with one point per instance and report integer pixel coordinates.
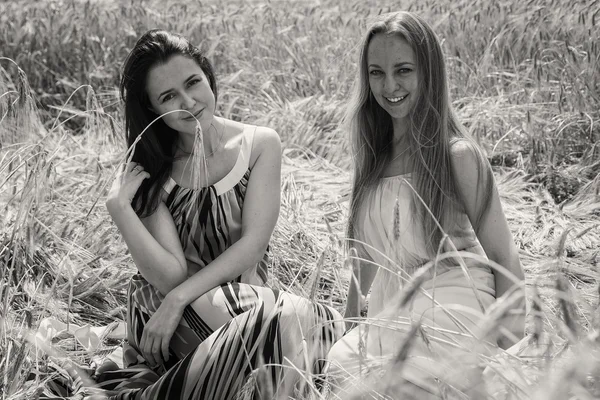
(239, 330)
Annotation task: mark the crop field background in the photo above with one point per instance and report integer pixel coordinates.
(524, 79)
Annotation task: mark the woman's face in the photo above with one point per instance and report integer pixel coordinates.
(180, 84)
(393, 75)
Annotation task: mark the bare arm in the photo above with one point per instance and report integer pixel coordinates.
(259, 216)
(363, 274)
(152, 242)
(493, 233)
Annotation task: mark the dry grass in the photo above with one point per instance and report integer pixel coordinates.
(525, 78)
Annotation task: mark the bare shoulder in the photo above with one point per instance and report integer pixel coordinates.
(473, 177)
(464, 156)
(268, 143)
(266, 139)
(469, 163)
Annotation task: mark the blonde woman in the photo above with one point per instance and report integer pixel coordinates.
(418, 177)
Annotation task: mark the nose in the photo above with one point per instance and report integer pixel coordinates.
(188, 101)
(389, 84)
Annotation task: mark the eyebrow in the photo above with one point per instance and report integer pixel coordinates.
(184, 82)
(398, 64)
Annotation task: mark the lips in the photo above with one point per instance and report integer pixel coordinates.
(396, 100)
(196, 116)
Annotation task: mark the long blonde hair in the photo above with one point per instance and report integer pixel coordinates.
(433, 129)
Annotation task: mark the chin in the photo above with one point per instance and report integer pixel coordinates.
(190, 129)
(399, 115)
(184, 129)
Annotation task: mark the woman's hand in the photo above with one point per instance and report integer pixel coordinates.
(152, 240)
(159, 331)
(514, 324)
(353, 311)
(355, 304)
(126, 184)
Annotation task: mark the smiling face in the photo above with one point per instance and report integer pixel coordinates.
(177, 84)
(393, 77)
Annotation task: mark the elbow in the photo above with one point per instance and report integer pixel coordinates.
(179, 276)
(259, 254)
(256, 250)
(169, 281)
(514, 265)
(511, 261)
(166, 286)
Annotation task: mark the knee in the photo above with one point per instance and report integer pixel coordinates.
(342, 353)
(334, 363)
(335, 354)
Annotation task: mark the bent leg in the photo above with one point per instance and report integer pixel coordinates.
(261, 329)
(442, 349)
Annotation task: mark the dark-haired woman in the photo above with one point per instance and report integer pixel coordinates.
(197, 205)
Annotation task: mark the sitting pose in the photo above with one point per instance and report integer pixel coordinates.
(196, 205)
(424, 203)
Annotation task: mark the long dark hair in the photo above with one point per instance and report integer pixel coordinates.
(434, 128)
(154, 151)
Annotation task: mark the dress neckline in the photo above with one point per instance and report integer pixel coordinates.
(173, 183)
(220, 181)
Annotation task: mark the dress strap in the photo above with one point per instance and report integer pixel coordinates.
(241, 165)
(247, 142)
(169, 185)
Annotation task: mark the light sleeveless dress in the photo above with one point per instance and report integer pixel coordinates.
(231, 330)
(448, 305)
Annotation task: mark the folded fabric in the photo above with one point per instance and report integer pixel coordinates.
(521, 367)
(88, 337)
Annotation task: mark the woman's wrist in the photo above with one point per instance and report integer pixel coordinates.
(176, 300)
(116, 205)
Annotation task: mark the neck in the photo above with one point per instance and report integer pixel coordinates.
(211, 136)
(400, 142)
(185, 143)
(400, 127)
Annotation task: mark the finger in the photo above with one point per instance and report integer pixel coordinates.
(148, 354)
(146, 348)
(139, 169)
(122, 168)
(141, 176)
(165, 350)
(143, 341)
(117, 180)
(138, 179)
(120, 172)
(156, 351)
(130, 166)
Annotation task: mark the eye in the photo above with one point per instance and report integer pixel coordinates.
(167, 97)
(375, 72)
(193, 82)
(404, 70)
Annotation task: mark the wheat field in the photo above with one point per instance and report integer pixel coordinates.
(524, 79)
